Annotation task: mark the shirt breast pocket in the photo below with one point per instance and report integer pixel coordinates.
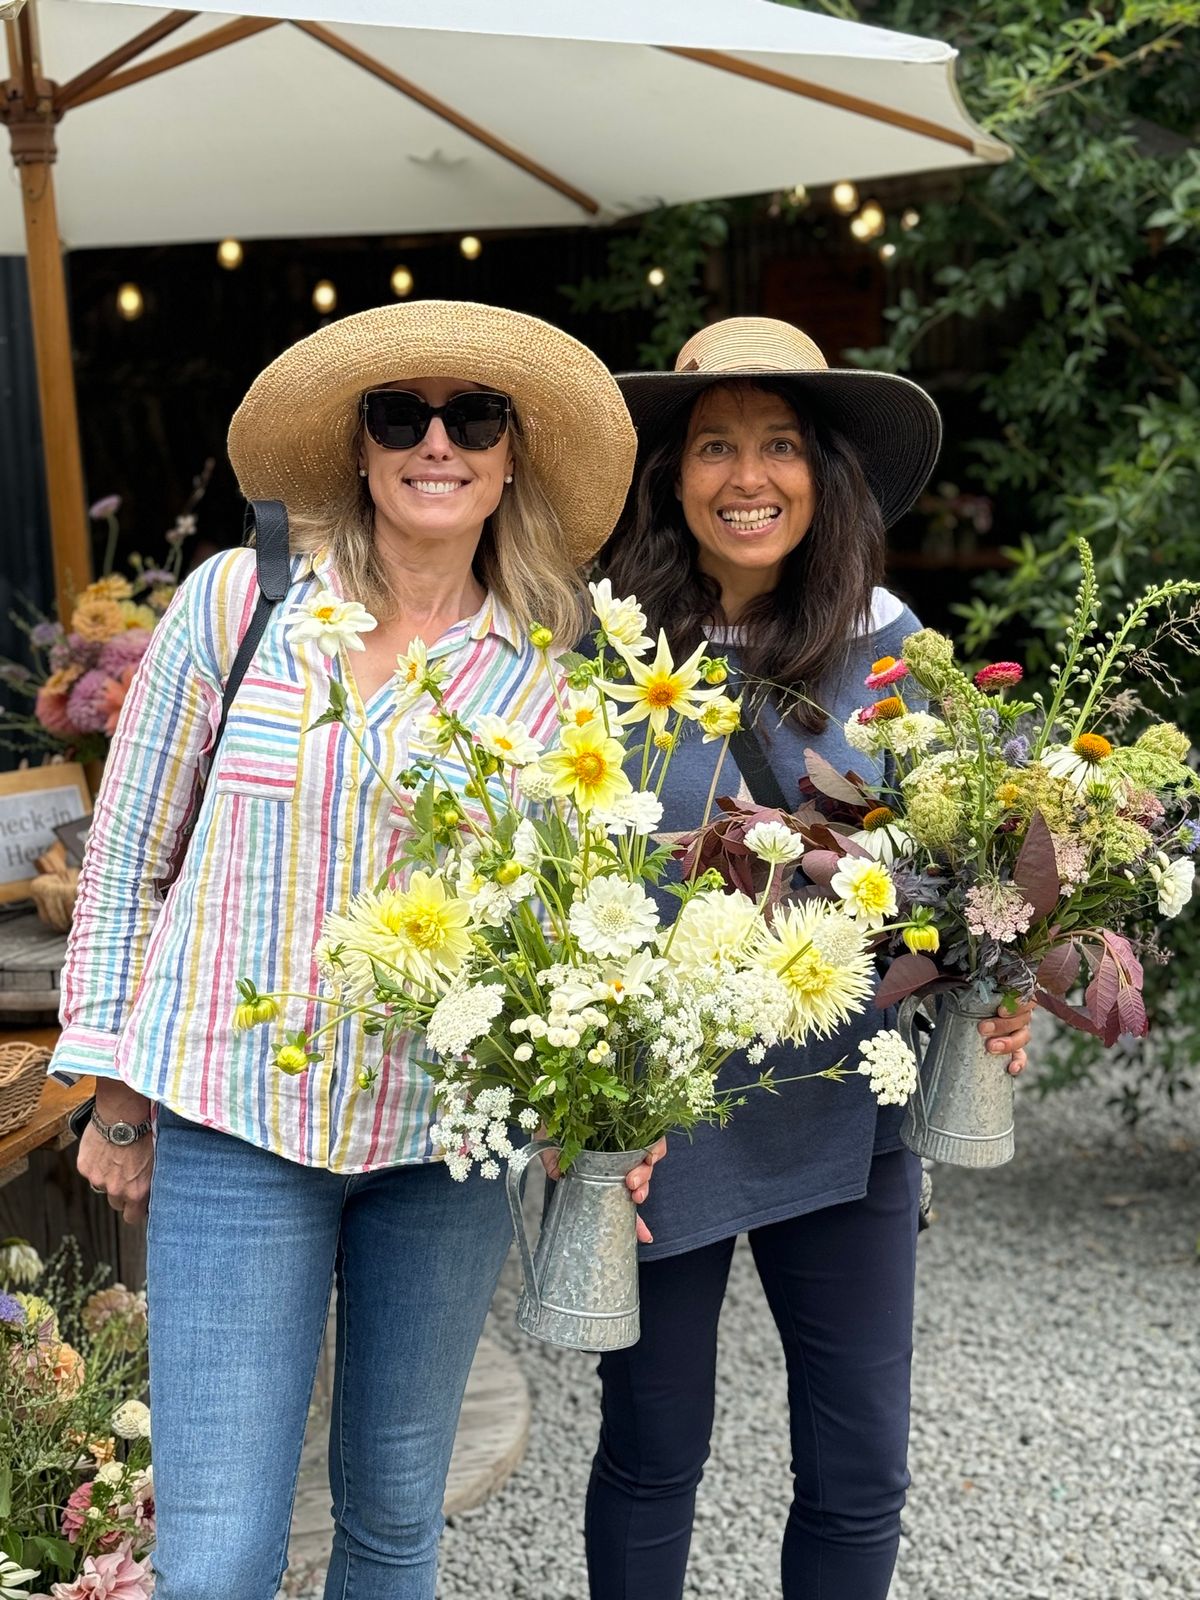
(260, 749)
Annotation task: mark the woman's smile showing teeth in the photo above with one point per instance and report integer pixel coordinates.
(435, 485)
(750, 519)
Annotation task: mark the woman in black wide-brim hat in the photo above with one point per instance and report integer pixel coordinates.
(756, 520)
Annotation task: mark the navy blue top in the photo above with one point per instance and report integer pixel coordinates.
(810, 1145)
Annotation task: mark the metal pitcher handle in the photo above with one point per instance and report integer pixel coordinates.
(904, 1021)
(514, 1183)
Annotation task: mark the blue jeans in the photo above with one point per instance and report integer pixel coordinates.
(244, 1248)
(839, 1283)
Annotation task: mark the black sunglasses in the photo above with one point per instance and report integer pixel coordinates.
(398, 420)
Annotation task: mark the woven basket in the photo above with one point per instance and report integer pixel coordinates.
(22, 1074)
(53, 894)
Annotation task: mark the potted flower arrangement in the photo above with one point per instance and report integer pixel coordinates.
(1026, 846)
(519, 934)
(83, 663)
(76, 1489)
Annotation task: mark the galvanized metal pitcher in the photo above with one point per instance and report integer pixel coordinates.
(581, 1284)
(962, 1111)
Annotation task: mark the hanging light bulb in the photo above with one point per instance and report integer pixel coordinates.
(910, 218)
(230, 254)
(130, 303)
(844, 197)
(324, 297)
(873, 218)
(470, 247)
(656, 277)
(860, 228)
(402, 282)
(886, 252)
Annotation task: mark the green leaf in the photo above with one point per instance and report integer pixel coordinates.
(5, 1491)
(336, 710)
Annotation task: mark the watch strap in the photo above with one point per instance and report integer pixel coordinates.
(105, 1129)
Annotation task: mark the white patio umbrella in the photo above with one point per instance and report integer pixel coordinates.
(286, 118)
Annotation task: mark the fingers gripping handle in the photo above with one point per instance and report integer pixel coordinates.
(514, 1183)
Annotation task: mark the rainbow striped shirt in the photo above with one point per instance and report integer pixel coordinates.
(292, 824)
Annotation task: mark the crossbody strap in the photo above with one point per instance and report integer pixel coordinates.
(746, 749)
(273, 561)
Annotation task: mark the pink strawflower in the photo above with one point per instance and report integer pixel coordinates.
(998, 909)
(51, 711)
(884, 671)
(1000, 675)
(126, 650)
(116, 1576)
(86, 701)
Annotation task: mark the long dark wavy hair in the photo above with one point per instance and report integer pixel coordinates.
(797, 636)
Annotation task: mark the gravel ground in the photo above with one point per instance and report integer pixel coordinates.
(1055, 1451)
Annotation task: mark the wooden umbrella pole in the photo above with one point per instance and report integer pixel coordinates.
(28, 109)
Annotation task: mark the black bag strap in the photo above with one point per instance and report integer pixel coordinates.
(746, 749)
(273, 561)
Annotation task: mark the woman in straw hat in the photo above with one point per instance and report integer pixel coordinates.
(446, 468)
(756, 520)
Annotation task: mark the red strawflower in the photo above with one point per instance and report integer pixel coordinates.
(1000, 675)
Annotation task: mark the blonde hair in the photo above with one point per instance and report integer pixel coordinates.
(520, 558)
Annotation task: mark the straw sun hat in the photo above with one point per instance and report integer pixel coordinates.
(292, 437)
(893, 424)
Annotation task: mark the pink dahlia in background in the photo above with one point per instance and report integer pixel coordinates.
(126, 650)
(86, 702)
(116, 1576)
(1000, 675)
(74, 651)
(51, 711)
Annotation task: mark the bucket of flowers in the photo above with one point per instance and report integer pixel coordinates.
(1032, 846)
(76, 1490)
(84, 663)
(555, 993)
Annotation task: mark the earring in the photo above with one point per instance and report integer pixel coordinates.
(508, 479)
(362, 472)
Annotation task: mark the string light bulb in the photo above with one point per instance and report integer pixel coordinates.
(860, 228)
(230, 254)
(910, 218)
(324, 297)
(886, 252)
(130, 303)
(470, 247)
(873, 219)
(844, 196)
(656, 277)
(402, 282)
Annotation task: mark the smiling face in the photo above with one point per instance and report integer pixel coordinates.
(435, 490)
(746, 486)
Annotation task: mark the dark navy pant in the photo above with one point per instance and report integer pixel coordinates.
(839, 1283)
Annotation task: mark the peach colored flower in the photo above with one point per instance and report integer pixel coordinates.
(60, 682)
(50, 708)
(112, 587)
(98, 620)
(67, 1370)
(115, 1576)
(115, 691)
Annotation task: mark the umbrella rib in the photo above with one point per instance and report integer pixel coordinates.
(69, 92)
(231, 33)
(829, 97)
(439, 108)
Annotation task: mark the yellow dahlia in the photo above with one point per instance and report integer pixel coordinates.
(819, 954)
(660, 687)
(587, 765)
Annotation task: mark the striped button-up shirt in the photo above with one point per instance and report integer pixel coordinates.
(291, 825)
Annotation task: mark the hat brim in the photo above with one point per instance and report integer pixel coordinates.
(292, 437)
(893, 424)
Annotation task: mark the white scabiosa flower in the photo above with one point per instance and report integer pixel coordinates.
(507, 739)
(1174, 881)
(331, 622)
(623, 621)
(535, 783)
(639, 812)
(891, 1067)
(866, 890)
(775, 843)
(613, 918)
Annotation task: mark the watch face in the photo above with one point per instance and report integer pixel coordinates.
(122, 1133)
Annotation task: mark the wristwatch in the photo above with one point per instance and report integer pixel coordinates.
(121, 1133)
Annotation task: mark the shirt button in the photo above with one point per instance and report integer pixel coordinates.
(349, 783)
(340, 852)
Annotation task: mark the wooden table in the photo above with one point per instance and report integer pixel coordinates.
(48, 1129)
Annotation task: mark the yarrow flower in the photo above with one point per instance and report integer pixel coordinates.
(891, 1067)
(1000, 675)
(884, 671)
(462, 1015)
(331, 622)
(999, 910)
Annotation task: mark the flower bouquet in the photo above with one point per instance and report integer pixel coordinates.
(518, 936)
(1018, 849)
(83, 664)
(76, 1490)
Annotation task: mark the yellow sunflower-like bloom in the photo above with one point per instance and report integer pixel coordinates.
(417, 932)
(660, 687)
(818, 952)
(587, 765)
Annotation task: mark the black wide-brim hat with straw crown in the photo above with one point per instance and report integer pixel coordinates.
(892, 423)
(292, 438)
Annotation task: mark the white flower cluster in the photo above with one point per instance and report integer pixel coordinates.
(891, 1067)
(909, 734)
(462, 1015)
(470, 1131)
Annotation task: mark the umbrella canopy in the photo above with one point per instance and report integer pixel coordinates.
(292, 118)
